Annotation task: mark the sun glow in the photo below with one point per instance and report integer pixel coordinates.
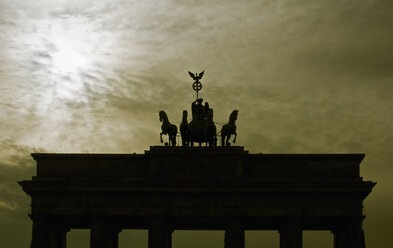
(68, 64)
(71, 59)
(71, 54)
(67, 59)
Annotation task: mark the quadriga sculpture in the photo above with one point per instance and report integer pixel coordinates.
(201, 129)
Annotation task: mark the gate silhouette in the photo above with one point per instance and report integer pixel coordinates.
(184, 188)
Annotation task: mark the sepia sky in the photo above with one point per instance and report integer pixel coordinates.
(90, 76)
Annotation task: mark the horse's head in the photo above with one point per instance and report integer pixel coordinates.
(162, 115)
(233, 115)
(185, 115)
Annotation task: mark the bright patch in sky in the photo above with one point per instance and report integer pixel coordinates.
(71, 46)
(68, 63)
(67, 59)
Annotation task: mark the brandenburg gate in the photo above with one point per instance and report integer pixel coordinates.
(171, 188)
(203, 188)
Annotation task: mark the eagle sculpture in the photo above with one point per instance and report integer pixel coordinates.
(196, 76)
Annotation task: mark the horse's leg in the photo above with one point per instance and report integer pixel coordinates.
(222, 140)
(161, 137)
(234, 140)
(184, 140)
(170, 138)
(228, 137)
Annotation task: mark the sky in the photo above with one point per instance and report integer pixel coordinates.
(91, 76)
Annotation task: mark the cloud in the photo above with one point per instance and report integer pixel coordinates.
(15, 164)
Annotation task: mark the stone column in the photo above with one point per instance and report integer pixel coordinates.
(104, 234)
(58, 237)
(234, 234)
(291, 234)
(48, 233)
(160, 234)
(349, 234)
(338, 238)
(40, 233)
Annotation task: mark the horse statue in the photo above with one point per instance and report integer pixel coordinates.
(185, 130)
(167, 128)
(229, 129)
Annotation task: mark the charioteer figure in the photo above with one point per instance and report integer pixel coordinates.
(199, 112)
(201, 128)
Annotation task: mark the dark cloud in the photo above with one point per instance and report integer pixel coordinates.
(15, 165)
